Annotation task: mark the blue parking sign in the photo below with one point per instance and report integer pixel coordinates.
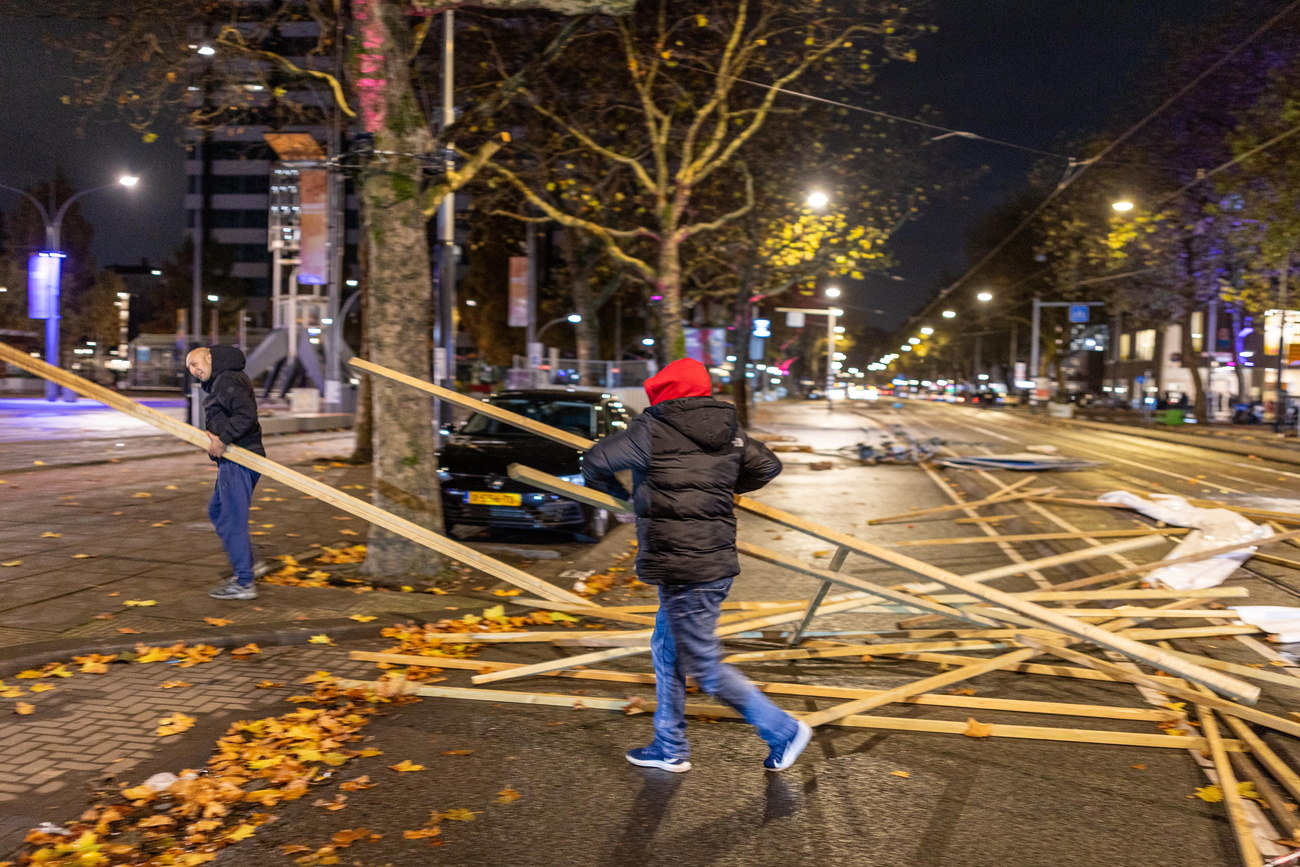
(1079, 313)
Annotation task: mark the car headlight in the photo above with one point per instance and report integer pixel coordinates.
(444, 476)
(575, 479)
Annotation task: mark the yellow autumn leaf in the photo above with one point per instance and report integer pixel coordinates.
(320, 639)
(903, 774)
(318, 677)
(496, 612)
(174, 684)
(243, 832)
(515, 592)
(362, 618)
(22, 708)
(42, 687)
(507, 796)
(82, 556)
(154, 654)
(48, 535)
(12, 563)
(1209, 794)
(140, 603)
(405, 765)
(460, 814)
(175, 724)
(217, 621)
(141, 495)
(977, 729)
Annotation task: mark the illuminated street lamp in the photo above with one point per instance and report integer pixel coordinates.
(45, 267)
(832, 292)
(927, 331)
(984, 296)
(818, 200)
(1122, 205)
(950, 314)
(914, 340)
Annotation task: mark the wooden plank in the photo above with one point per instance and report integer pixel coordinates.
(825, 650)
(1041, 733)
(298, 481)
(1153, 656)
(1277, 561)
(1232, 799)
(1148, 613)
(1284, 517)
(1280, 770)
(1280, 810)
(1038, 537)
(475, 405)
(925, 684)
(970, 702)
(1159, 564)
(1027, 667)
(1244, 670)
(1237, 592)
(1212, 701)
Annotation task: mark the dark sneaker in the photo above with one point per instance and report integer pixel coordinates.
(783, 755)
(653, 757)
(232, 589)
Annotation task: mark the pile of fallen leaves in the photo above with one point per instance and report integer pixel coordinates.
(430, 639)
(294, 574)
(257, 765)
(620, 574)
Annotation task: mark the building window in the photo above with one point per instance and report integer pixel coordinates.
(1125, 347)
(1144, 345)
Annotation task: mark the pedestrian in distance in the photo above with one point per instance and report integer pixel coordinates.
(230, 417)
(688, 458)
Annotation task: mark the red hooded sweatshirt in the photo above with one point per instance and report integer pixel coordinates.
(685, 377)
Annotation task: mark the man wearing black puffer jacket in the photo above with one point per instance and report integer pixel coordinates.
(688, 458)
(230, 413)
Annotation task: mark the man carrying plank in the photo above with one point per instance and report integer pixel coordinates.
(688, 458)
(230, 417)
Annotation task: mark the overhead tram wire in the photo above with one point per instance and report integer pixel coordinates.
(1084, 165)
(946, 132)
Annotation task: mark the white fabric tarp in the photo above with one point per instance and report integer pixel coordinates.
(1275, 620)
(1211, 528)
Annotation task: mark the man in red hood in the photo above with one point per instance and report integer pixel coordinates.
(689, 458)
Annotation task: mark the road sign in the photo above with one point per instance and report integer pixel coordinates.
(794, 319)
(1079, 313)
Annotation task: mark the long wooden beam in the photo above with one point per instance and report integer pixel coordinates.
(1232, 799)
(296, 480)
(1220, 683)
(996, 730)
(1038, 537)
(995, 500)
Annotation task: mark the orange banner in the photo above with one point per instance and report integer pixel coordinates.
(313, 226)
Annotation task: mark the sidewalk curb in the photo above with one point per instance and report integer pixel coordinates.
(1281, 456)
(19, 657)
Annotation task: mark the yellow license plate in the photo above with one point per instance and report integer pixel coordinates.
(491, 498)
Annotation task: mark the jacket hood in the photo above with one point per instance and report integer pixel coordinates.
(224, 358)
(685, 377)
(710, 424)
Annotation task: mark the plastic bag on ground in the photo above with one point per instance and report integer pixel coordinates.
(1211, 528)
(1275, 620)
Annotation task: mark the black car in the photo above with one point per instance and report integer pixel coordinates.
(475, 487)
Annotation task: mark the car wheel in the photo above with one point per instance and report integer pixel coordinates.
(596, 527)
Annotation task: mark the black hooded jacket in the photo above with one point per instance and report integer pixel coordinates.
(230, 409)
(688, 458)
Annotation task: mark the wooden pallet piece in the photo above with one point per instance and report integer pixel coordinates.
(969, 702)
(1281, 771)
(282, 474)
(1280, 810)
(900, 724)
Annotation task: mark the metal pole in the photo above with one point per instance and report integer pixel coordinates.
(333, 397)
(1034, 342)
(52, 241)
(830, 356)
(530, 332)
(1279, 391)
(1211, 343)
(447, 215)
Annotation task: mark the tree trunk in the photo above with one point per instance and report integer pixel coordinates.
(669, 284)
(740, 389)
(1191, 361)
(581, 261)
(363, 450)
(401, 290)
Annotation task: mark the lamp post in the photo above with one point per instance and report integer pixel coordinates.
(46, 266)
(575, 318)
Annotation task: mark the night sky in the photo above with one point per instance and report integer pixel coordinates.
(1034, 72)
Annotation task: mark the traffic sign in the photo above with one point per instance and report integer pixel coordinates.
(1079, 313)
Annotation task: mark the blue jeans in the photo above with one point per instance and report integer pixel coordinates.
(683, 645)
(231, 496)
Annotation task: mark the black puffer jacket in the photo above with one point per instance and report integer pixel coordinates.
(230, 409)
(688, 457)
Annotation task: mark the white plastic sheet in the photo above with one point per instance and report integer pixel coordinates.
(1273, 619)
(1211, 528)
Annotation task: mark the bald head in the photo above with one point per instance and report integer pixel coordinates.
(199, 363)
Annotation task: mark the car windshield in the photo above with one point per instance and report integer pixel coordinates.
(573, 416)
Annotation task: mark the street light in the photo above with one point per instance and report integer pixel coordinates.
(914, 340)
(1122, 205)
(45, 269)
(984, 296)
(575, 318)
(832, 292)
(818, 200)
(647, 341)
(950, 314)
(927, 331)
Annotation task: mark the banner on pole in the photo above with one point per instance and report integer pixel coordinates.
(517, 311)
(43, 275)
(313, 227)
(707, 345)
